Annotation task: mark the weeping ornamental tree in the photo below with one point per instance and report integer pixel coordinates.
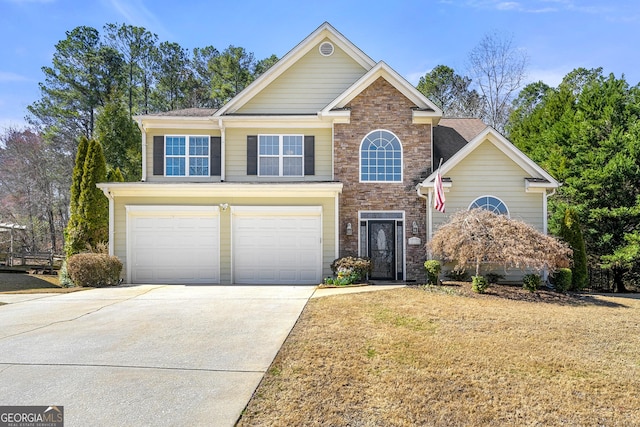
(478, 237)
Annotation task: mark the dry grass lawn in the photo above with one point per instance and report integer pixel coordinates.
(443, 356)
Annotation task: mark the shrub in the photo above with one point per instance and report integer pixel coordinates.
(561, 279)
(457, 275)
(479, 284)
(94, 270)
(433, 268)
(531, 282)
(494, 277)
(349, 264)
(63, 276)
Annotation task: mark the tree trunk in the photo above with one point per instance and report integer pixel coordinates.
(618, 284)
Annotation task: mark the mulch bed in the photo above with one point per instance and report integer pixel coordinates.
(517, 293)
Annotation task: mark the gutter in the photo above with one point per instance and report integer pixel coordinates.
(107, 193)
(144, 150)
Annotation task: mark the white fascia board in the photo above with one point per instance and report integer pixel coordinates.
(322, 32)
(217, 189)
(396, 80)
(283, 121)
(493, 136)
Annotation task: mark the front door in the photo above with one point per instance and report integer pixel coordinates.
(382, 244)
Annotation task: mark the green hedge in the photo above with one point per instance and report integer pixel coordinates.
(94, 270)
(433, 268)
(531, 282)
(561, 279)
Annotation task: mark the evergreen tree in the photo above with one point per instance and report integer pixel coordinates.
(89, 225)
(115, 175)
(571, 232)
(120, 138)
(76, 179)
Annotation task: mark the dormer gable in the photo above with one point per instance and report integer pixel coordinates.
(425, 111)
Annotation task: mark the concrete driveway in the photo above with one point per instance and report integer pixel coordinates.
(144, 355)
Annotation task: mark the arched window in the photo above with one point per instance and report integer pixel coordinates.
(490, 203)
(381, 157)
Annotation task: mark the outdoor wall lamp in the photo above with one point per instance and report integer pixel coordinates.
(415, 227)
(349, 229)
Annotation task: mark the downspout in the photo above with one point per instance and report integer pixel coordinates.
(223, 157)
(144, 150)
(428, 220)
(111, 218)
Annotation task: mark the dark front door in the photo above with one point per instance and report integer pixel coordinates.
(382, 249)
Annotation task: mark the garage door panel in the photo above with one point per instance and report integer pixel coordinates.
(277, 248)
(174, 247)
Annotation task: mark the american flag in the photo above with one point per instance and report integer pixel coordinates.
(438, 202)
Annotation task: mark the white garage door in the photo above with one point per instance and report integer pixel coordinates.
(172, 244)
(277, 245)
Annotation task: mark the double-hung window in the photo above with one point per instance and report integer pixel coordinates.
(187, 155)
(280, 155)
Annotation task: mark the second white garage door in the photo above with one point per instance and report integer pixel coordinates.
(277, 245)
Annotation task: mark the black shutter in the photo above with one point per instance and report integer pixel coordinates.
(158, 155)
(252, 154)
(309, 155)
(216, 155)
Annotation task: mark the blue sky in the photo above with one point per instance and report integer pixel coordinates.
(411, 36)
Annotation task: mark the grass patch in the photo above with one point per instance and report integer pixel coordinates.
(423, 356)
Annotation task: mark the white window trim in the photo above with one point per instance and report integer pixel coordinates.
(401, 159)
(281, 156)
(187, 156)
(494, 197)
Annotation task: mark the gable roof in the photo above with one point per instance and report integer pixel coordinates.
(324, 31)
(425, 106)
(538, 176)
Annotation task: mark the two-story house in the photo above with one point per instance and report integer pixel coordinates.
(327, 154)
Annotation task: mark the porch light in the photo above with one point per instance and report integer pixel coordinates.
(349, 229)
(415, 227)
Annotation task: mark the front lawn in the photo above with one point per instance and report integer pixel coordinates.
(443, 356)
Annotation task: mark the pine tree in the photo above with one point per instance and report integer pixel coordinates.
(571, 232)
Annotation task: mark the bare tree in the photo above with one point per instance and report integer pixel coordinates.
(476, 237)
(499, 69)
(34, 188)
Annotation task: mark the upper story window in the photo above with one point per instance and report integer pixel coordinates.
(490, 203)
(381, 157)
(187, 155)
(280, 155)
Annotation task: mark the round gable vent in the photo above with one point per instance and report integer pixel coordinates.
(326, 49)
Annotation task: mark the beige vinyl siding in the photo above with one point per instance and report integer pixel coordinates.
(487, 171)
(308, 86)
(328, 223)
(149, 153)
(236, 154)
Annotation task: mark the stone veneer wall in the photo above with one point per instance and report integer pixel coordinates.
(381, 106)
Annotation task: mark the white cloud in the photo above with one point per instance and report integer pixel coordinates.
(136, 13)
(7, 77)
